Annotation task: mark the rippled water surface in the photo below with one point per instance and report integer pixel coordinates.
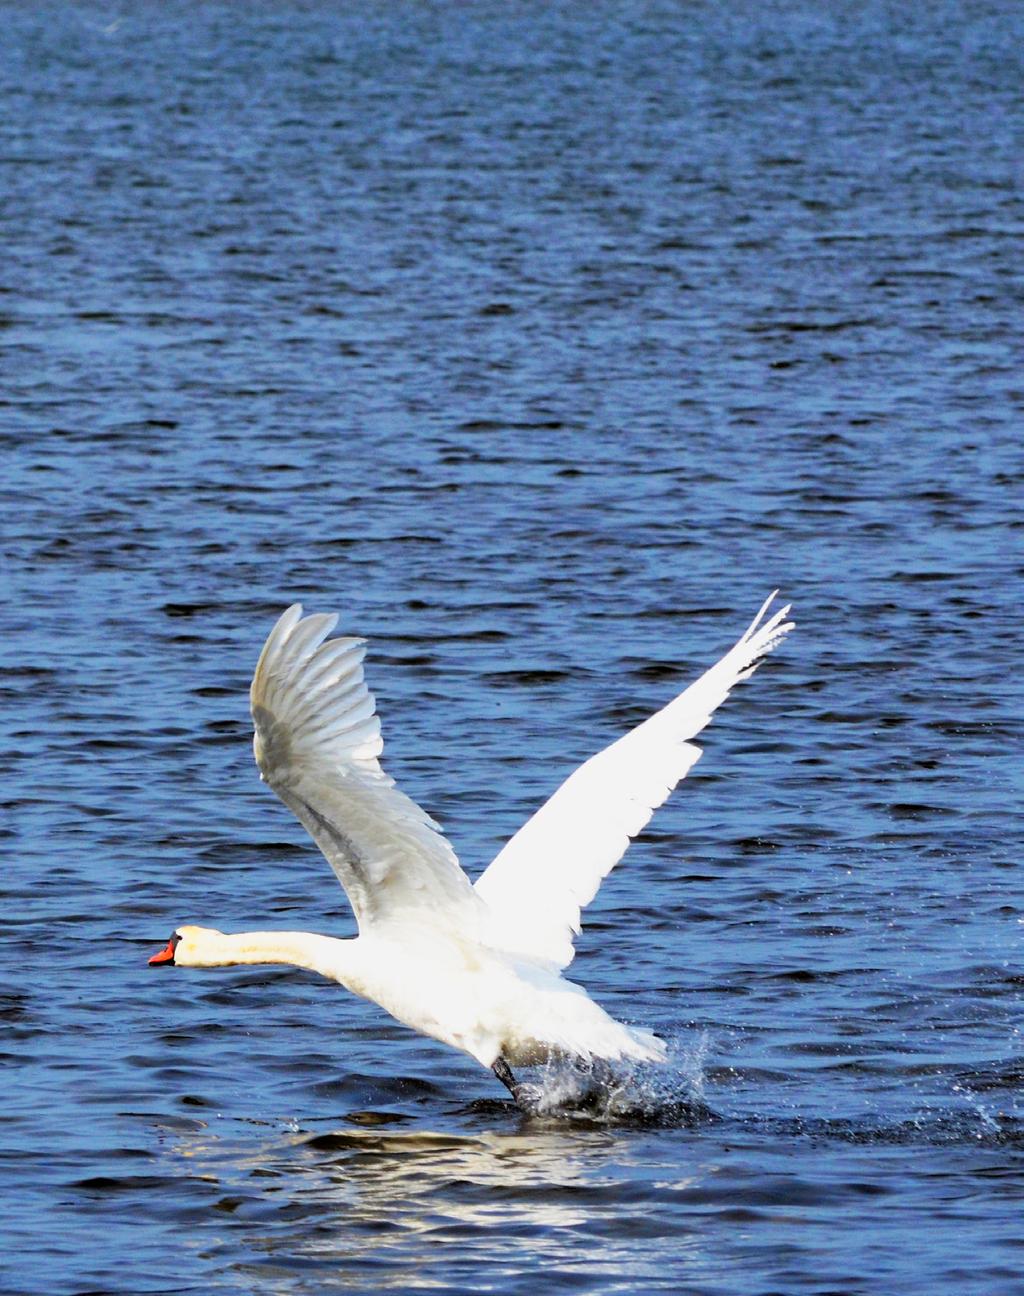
(541, 341)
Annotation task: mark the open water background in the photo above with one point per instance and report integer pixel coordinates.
(541, 340)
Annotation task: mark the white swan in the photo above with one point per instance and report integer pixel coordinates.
(477, 967)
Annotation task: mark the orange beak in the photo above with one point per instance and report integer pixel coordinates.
(166, 955)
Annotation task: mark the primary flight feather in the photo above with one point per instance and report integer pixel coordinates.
(477, 967)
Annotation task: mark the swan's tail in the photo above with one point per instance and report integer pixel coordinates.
(647, 1047)
(621, 1043)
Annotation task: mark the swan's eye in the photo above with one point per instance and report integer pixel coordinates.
(166, 955)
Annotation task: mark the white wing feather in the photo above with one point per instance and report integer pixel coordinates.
(317, 742)
(551, 869)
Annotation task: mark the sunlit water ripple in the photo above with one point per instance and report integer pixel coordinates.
(541, 342)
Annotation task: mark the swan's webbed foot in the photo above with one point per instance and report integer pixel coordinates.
(523, 1094)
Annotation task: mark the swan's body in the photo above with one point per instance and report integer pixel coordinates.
(477, 967)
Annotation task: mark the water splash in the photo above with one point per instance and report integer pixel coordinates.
(669, 1093)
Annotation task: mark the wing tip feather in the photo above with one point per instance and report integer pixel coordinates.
(323, 705)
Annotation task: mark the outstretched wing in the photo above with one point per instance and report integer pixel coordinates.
(317, 742)
(552, 868)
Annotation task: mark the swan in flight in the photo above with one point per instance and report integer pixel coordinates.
(477, 967)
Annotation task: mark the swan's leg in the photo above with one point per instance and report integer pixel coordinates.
(504, 1073)
(526, 1095)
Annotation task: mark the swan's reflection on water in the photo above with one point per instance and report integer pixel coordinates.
(386, 1209)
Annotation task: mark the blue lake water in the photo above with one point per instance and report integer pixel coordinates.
(541, 341)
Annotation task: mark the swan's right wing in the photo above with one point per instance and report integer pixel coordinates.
(541, 880)
(317, 742)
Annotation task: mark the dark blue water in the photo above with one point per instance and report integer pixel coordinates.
(541, 341)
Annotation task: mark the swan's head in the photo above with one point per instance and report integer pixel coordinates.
(192, 947)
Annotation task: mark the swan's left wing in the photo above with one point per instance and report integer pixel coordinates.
(538, 884)
(317, 742)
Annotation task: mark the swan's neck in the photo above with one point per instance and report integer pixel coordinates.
(327, 955)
